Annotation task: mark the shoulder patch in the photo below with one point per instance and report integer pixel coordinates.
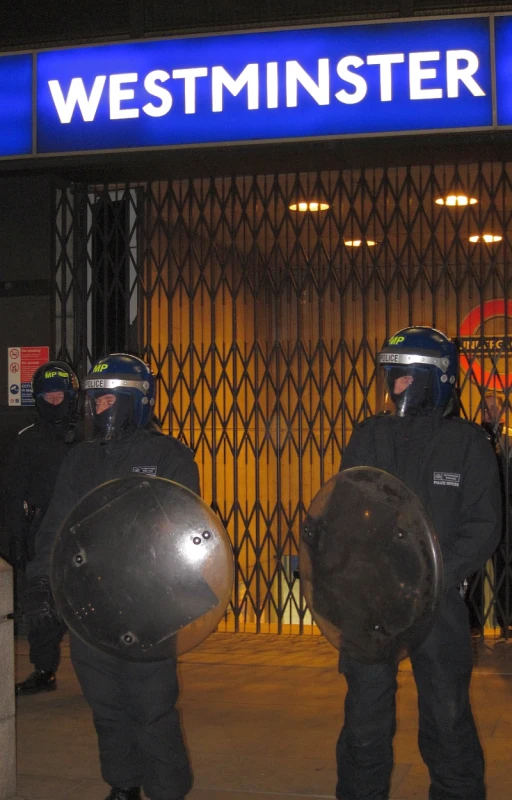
(145, 470)
(447, 479)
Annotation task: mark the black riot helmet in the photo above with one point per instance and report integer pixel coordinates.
(52, 380)
(420, 367)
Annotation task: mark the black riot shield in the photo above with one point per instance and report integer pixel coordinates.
(370, 565)
(142, 568)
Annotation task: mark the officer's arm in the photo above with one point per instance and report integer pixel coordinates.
(507, 476)
(480, 526)
(65, 497)
(356, 452)
(15, 492)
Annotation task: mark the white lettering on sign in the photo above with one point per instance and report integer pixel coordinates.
(361, 87)
(189, 76)
(418, 74)
(385, 62)
(431, 75)
(151, 85)
(296, 74)
(272, 84)
(222, 80)
(117, 95)
(77, 95)
(456, 75)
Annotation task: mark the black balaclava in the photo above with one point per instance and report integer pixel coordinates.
(56, 415)
(417, 398)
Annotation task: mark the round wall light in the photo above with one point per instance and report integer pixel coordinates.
(488, 238)
(359, 242)
(311, 205)
(456, 200)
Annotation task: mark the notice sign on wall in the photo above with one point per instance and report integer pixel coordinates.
(22, 362)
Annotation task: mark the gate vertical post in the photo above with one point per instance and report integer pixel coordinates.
(7, 706)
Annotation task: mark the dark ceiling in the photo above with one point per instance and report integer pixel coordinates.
(32, 23)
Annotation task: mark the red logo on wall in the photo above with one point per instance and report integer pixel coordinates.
(471, 333)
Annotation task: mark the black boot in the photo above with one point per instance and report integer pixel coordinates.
(38, 681)
(133, 793)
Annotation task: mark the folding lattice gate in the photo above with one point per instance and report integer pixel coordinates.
(262, 324)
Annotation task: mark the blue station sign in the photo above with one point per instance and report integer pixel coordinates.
(330, 81)
(503, 45)
(16, 105)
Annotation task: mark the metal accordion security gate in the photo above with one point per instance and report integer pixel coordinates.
(261, 302)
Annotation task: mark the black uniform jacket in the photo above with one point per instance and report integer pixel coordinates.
(450, 465)
(33, 469)
(90, 464)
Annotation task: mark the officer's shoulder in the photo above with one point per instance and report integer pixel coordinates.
(376, 419)
(80, 449)
(168, 442)
(459, 425)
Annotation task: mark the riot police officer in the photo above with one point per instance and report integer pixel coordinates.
(38, 454)
(450, 466)
(133, 702)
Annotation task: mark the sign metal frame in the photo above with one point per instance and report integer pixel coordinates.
(492, 127)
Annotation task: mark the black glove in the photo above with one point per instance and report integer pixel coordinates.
(40, 611)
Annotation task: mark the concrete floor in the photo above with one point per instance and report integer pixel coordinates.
(261, 716)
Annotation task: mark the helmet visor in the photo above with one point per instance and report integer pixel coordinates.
(385, 404)
(128, 404)
(413, 381)
(107, 413)
(407, 390)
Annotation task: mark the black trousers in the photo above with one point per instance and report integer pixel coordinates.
(138, 727)
(45, 646)
(447, 739)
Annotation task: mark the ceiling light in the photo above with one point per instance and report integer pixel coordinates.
(359, 242)
(456, 200)
(313, 205)
(488, 238)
